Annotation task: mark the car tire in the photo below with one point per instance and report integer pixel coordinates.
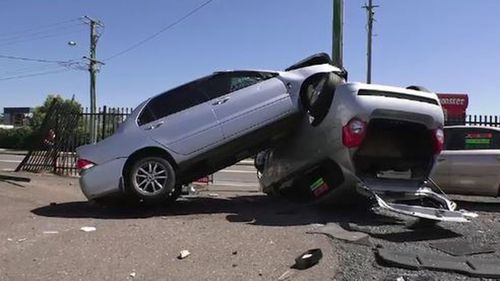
(418, 88)
(317, 96)
(152, 180)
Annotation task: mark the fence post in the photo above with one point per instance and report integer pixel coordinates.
(104, 113)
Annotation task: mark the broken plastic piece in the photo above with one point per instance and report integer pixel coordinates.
(183, 254)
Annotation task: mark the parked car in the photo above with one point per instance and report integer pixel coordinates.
(201, 127)
(470, 161)
(377, 140)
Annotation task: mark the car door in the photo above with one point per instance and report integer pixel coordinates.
(246, 100)
(475, 168)
(182, 120)
(441, 170)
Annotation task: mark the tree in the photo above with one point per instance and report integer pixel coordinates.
(40, 112)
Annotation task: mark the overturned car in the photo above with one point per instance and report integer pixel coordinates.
(374, 140)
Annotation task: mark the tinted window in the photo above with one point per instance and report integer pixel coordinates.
(224, 83)
(469, 139)
(171, 102)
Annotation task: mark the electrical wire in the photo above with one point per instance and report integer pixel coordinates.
(34, 74)
(40, 37)
(41, 27)
(54, 30)
(173, 24)
(31, 59)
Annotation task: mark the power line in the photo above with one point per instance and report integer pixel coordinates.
(32, 59)
(35, 74)
(39, 37)
(132, 47)
(39, 27)
(54, 30)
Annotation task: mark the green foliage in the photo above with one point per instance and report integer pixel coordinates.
(17, 138)
(41, 111)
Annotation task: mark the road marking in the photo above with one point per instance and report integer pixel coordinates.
(238, 171)
(10, 161)
(236, 184)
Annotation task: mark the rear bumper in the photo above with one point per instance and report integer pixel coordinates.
(103, 179)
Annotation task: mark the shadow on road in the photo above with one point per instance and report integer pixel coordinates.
(257, 210)
(254, 209)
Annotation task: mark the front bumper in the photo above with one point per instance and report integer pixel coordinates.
(102, 179)
(446, 212)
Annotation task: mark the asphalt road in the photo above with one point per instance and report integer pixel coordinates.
(9, 162)
(233, 232)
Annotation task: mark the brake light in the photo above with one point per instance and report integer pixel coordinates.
(438, 137)
(353, 133)
(82, 164)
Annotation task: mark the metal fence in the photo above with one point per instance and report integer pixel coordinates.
(62, 131)
(475, 120)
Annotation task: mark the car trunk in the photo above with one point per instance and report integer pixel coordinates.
(395, 149)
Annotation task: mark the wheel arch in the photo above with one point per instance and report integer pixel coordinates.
(148, 151)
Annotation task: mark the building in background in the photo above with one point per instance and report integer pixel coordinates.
(454, 108)
(17, 116)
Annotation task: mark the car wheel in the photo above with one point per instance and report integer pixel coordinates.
(152, 180)
(317, 96)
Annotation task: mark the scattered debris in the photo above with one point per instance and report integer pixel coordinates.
(462, 248)
(132, 274)
(235, 253)
(408, 277)
(308, 259)
(88, 228)
(164, 218)
(335, 231)
(235, 265)
(51, 232)
(21, 240)
(183, 254)
(476, 267)
(10, 239)
(285, 275)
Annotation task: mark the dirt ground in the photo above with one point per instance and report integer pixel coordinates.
(231, 233)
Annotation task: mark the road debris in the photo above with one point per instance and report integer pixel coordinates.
(308, 259)
(10, 239)
(132, 274)
(472, 266)
(88, 228)
(21, 240)
(462, 248)
(51, 232)
(213, 195)
(183, 254)
(335, 231)
(408, 277)
(285, 275)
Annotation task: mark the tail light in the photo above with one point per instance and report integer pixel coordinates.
(82, 164)
(438, 137)
(353, 133)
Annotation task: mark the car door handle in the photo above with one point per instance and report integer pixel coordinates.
(221, 101)
(154, 126)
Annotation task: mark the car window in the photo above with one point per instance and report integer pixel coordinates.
(221, 84)
(471, 138)
(171, 102)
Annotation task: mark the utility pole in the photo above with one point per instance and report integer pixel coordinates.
(337, 32)
(370, 12)
(93, 69)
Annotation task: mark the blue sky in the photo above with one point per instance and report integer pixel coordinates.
(449, 46)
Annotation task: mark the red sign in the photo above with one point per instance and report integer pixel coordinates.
(454, 105)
